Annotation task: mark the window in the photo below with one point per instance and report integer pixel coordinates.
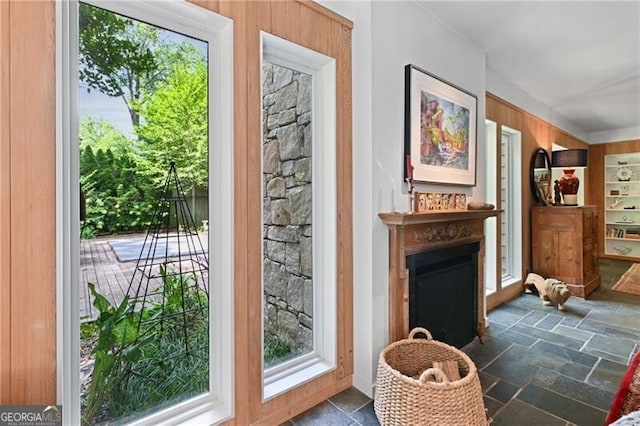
(178, 273)
(299, 219)
(503, 246)
(510, 200)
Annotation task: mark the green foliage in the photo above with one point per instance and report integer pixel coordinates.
(102, 135)
(175, 127)
(118, 345)
(88, 330)
(161, 377)
(150, 358)
(275, 350)
(120, 197)
(87, 232)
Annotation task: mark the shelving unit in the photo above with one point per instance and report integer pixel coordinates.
(622, 205)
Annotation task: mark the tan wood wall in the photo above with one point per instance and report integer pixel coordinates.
(27, 199)
(535, 133)
(596, 181)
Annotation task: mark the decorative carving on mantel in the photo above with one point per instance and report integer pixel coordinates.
(434, 233)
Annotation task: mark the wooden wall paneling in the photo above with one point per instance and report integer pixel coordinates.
(294, 21)
(595, 195)
(5, 208)
(33, 278)
(279, 18)
(341, 48)
(212, 5)
(258, 19)
(338, 19)
(310, 28)
(503, 112)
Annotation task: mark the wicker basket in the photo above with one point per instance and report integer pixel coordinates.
(401, 399)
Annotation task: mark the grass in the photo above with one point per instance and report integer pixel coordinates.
(165, 375)
(275, 350)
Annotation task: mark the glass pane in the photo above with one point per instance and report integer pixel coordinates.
(287, 214)
(143, 151)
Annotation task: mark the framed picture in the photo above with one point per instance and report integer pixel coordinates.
(440, 130)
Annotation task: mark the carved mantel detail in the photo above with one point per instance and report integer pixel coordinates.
(452, 231)
(411, 233)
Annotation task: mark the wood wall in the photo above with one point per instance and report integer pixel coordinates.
(596, 181)
(535, 133)
(27, 199)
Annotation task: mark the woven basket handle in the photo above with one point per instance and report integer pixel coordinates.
(435, 372)
(417, 330)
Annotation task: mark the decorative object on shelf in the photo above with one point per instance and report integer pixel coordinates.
(614, 192)
(622, 250)
(615, 203)
(440, 129)
(569, 160)
(540, 176)
(434, 201)
(624, 190)
(557, 198)
(621, 163)
(624, 174)
(479, 205)
(409, 180)
(550, 290)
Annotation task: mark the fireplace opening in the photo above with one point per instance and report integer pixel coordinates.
(443, 292)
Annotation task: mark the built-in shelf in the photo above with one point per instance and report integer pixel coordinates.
(618, 221)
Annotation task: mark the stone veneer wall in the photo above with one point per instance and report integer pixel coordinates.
(287, 213)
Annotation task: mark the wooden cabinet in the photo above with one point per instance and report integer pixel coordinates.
(565, 246)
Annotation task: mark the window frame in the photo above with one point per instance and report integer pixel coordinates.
(287, 375)
(189, 19)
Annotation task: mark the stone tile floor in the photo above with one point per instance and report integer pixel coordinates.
(538, 365)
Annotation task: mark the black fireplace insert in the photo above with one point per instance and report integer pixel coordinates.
(443, 288)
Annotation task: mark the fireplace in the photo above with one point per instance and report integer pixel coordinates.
(443, 292)
(424, 248)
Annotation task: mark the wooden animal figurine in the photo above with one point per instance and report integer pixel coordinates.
(551, 291)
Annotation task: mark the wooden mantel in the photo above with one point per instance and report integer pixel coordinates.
(411, 233)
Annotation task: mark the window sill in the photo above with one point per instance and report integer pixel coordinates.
(295, 376)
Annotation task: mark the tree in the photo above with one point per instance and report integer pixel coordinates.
(125, 58)
(176, 125)
(102, 135)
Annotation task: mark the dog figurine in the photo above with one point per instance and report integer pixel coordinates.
(550, 290)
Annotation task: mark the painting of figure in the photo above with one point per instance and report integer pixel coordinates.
(444, 130)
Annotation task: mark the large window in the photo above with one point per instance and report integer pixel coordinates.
(510, 202)
(299, 219)
(144, 156)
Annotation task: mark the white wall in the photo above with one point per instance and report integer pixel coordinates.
(497, 85)
(404, 33)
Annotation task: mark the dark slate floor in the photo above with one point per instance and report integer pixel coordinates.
(538, 365)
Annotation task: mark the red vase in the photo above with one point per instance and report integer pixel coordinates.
(569, 184)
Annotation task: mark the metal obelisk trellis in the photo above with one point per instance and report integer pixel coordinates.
(169, 284)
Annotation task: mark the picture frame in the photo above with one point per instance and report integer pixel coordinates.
(440, 130)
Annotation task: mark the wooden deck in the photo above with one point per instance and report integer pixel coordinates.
(100, 266)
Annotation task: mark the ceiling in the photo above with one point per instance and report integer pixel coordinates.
(580, 59)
